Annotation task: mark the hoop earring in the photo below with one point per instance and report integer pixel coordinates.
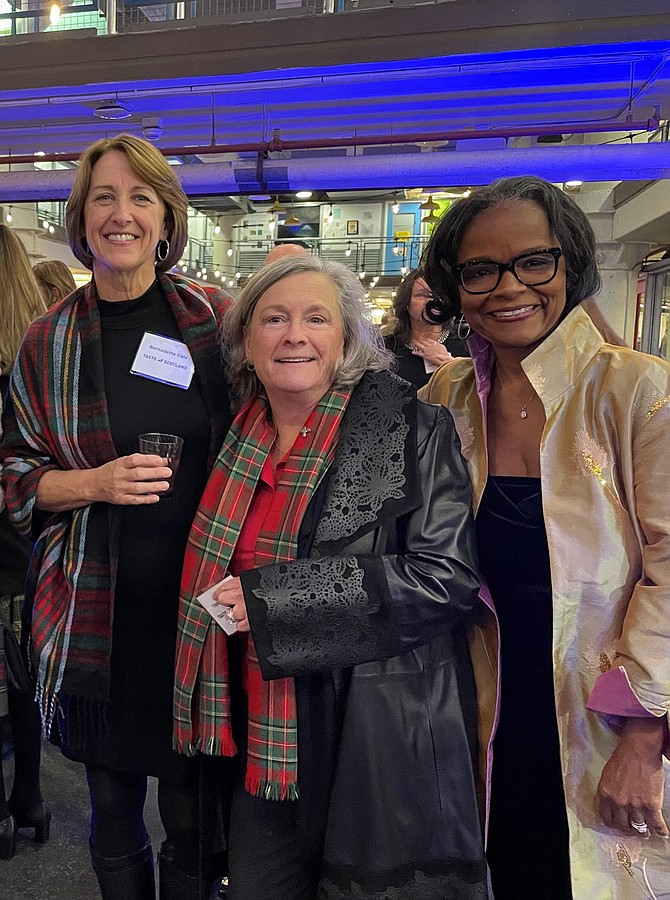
(250, 366)
(461, 334)
(162, 250)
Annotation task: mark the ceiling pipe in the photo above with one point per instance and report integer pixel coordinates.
(594, 162)
(277, 144)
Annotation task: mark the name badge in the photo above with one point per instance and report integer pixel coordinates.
(221, 614)
(163, 359)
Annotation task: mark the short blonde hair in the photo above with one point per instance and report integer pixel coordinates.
(150, 165)
(363, 345)
(53, 275)
(20, 299)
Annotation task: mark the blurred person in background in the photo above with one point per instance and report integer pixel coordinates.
(420, 346)
(55, 280)
(20, 303)
(109, 547)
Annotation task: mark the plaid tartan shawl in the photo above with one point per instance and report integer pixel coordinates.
(202, 697)
(57, 419)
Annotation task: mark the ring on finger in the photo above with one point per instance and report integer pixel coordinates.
(640, 827)
(230, 615)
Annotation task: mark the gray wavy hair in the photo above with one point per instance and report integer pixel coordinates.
(363, 344)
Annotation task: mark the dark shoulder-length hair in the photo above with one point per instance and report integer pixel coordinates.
(566, 220)
(401, 301)
(151, 166)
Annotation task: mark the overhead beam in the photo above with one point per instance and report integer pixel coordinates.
(611, 162)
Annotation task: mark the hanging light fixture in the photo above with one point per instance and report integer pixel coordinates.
(330, 216)
(430, 219)
(113, 109)
(271, 224)
(8, 217)
(229, 251)
(54, 14)
(277, 207)
(429, 203)
(347, 252)
(396, 205)
(292, 221)
(217, 227)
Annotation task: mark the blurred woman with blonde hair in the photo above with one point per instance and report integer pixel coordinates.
(20, 303)
(21, 297)
(55, 280)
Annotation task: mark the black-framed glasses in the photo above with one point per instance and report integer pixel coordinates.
(532, 268)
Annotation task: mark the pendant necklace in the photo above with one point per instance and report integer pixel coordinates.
(523, 414)
(440, 340)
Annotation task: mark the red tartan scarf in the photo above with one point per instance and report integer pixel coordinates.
(202, 697)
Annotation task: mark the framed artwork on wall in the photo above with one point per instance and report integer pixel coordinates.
(352, 226)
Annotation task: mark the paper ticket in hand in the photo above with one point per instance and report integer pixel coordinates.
(221, 613)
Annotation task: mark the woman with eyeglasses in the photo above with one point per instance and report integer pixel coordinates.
(566, 438)
(419, 345)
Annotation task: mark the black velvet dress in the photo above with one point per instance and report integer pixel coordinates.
(528, 831)
(151, 552)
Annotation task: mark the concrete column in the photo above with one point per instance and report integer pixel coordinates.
(618, 262)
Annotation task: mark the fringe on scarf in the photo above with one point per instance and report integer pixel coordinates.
(221, 746)
(270, 790)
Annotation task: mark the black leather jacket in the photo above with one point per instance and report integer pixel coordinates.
(370, 619)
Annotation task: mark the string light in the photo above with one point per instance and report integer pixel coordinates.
(54, 14)
(8, 217)
(217, 274)
(396, 205)
(229, 251)
(330, 216)
(45, 224)
(184, 268)
(217, 227)
(347, 252)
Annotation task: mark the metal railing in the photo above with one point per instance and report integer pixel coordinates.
(119, 16)
(373, 256)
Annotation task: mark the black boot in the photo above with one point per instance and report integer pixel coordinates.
(175, 884)
(126, 877)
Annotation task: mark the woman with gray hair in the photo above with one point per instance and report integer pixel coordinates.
(328, 572)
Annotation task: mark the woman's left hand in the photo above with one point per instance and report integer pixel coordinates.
(631, 785)
(230, 594)
(435, 354)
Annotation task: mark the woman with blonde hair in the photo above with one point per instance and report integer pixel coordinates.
(94, 373)
(21, 297)
(20, 303)
(55, 280)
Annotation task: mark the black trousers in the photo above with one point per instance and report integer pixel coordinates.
(267, 855)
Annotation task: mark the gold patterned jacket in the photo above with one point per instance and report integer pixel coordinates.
(605, 473)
